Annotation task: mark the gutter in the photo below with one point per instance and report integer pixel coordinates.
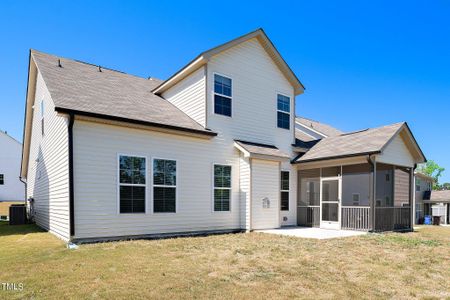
(337, 156)
(139, 122)
(71, 191)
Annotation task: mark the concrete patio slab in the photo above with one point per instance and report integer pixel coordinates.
(313, 233)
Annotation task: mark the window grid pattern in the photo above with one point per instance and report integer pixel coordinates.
(222, 187)
(222, 95)
(164, 185)
(132, 184)
(42, 107)
(284, 184)
(283, 111)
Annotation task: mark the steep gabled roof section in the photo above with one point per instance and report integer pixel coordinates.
(90, 90)
(363, 142)
(204, 57)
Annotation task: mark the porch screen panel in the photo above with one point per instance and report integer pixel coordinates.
(356, 185)
(308, 211)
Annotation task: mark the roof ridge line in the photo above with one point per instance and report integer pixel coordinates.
(90, 64)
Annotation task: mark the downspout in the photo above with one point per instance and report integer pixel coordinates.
(71, 191)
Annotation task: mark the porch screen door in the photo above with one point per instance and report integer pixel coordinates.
(330, 203)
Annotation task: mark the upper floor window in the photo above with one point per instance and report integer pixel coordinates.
(284, 184)
(2, 179)
(222, 95)
(164, 185)
(222, 187)
(418, 183)
(42, 116)
(132, 180)
(283, 111)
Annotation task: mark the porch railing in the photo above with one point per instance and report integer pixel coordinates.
(355, 218)
(392, 218)
(309, 216)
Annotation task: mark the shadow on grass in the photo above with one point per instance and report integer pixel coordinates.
(6, 229)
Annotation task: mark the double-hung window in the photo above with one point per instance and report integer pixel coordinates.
(42, 107)
(222, 187)
(284, 184)
(283, 111)
(222, 95)
(2, 179)
(164, 185)
(132, 184)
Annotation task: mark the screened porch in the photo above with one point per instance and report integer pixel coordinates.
(366, 197)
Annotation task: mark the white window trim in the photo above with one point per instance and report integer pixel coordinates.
(176, 186)
(214, 93)
(118, 184)
(289, 190)
(289, 113)
(42, 112)
(222, 188)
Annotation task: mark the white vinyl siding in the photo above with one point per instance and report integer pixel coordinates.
(265, 185)
(48, 167)
(396, 153)
(256, 81)
(98, 145)
(189, 96)
(245, 191)
(11, 188)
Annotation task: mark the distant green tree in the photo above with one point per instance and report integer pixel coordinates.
(446, 186)
(431, 168)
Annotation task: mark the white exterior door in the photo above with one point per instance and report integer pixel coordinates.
(330, 203)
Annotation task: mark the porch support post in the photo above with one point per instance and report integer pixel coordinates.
(412, 198)
(374, 192)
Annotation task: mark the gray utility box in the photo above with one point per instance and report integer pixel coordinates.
(17, 214)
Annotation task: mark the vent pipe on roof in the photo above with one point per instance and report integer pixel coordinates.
(59, 63)
(99, 68)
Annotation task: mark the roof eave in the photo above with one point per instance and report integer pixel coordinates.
(336, 157)
(204, 133)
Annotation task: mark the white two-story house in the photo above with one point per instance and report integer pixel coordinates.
(211, 149)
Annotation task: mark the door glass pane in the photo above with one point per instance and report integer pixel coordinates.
(330, 190)
(330, 212)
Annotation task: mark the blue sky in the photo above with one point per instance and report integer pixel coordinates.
(364, 63)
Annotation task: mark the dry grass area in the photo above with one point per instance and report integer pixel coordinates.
(241, 266)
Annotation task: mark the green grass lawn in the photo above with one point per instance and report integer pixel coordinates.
(254, 265)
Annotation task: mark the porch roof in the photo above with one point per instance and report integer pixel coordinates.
(358, 143)
(440, 196)
(257, 150)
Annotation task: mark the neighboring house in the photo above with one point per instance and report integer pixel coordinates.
(439, 204)
(214, 148)
(12, 190)
(423, 187)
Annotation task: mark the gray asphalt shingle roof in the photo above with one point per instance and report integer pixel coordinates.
(318, 126)
(350, 144)
(437, 196)
(261, 149)
(80, 86)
